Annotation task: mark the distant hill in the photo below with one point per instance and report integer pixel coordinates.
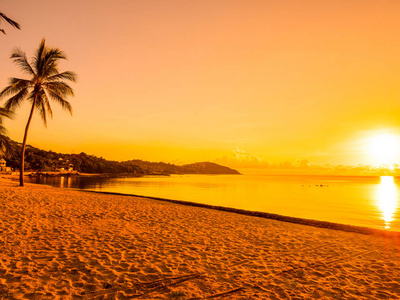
(47, 161)
(207, 168)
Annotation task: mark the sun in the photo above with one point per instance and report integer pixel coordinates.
(384, 148)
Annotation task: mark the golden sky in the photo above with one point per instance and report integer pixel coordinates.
(185, 81)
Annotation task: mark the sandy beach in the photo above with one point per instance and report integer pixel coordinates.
(66, 244)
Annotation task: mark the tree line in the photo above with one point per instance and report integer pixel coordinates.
(38, 160)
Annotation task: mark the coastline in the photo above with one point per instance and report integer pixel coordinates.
(262, 214)
(69, 244)
(265, 215)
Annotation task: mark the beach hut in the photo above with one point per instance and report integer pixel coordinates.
(3, 167)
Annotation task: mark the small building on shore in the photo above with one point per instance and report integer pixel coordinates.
(3, 167)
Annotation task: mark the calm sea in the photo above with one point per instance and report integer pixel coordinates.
(362, 201)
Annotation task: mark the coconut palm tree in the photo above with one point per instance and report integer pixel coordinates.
(14, 24)
(45, 83)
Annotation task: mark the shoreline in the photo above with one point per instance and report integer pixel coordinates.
(265, 215)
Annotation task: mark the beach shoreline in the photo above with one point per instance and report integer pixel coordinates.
(266, 215)
(388, 232)
(69, 244)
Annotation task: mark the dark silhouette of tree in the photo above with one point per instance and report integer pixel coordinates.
(4, 18)
(5, 145)
(4, 114)
(46, 83)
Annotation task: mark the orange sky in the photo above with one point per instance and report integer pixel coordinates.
(185, 81)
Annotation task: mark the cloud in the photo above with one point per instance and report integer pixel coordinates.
(240, 158)
(244, 156)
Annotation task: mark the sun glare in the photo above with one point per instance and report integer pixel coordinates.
(387, 198)
(384, 149)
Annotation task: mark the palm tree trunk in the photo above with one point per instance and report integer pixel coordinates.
(21, 170)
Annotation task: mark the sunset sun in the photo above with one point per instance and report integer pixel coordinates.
(383, 148)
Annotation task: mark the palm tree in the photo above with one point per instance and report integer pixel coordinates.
(45, 83)
(14, 24)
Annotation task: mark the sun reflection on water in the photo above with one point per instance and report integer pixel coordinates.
(387, 198)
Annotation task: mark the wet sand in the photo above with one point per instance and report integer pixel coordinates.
(65, 244)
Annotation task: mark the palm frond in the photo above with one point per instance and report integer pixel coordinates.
(38, 58)
(10, 21)
(43, 106)
(47, 107)
(19, 57)
(67, 75)
(4, 114)
(2, 129)
(46, 59)
(15, 101)
(60, 100)
(60, 88)
(16, 85)
(51, 60)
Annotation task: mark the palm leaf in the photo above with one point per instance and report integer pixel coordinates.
(16, 85)
(4, 114)
(38, 59)
(60, 100)
(43, 106)
(60, 88)
(16, 101)
(19, 57)
(67, 75)
(9, 21)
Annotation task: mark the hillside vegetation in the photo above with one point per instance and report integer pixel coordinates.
(49, 161)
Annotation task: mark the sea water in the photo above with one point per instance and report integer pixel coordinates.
(362, 201)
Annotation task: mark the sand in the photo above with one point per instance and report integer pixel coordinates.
(65, 244)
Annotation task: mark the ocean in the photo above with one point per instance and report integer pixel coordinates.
(362, 201)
